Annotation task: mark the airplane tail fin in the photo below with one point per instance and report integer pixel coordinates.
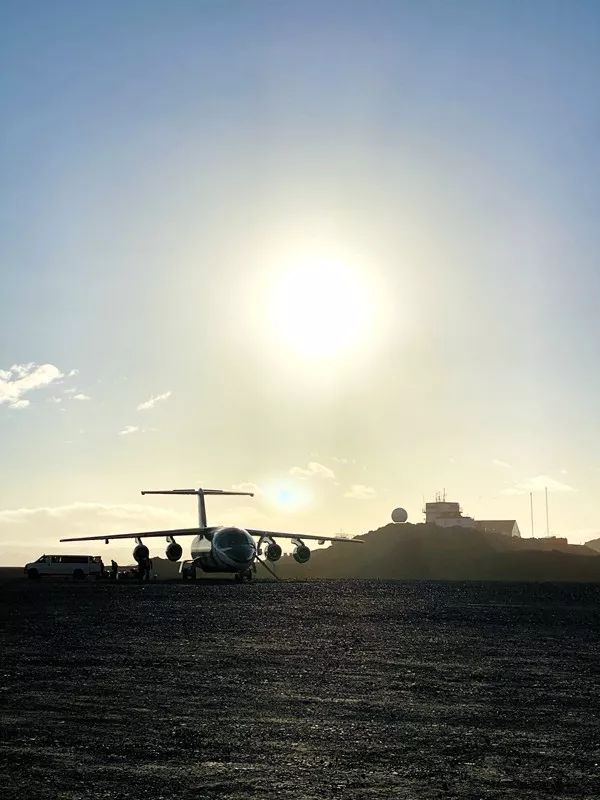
(195, 491)
(201, 493)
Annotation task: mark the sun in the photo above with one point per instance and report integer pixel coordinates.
(321, 307)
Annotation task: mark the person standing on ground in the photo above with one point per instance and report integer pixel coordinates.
(114, 569)
(147, 568)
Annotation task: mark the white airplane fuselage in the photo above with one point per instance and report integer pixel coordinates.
(225, 549)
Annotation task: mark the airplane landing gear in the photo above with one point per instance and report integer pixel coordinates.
(188, 572)
(240, 577)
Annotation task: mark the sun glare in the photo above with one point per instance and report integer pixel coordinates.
(287, 496)
(321, 307)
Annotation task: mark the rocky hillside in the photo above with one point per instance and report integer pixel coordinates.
(428, 552)
(593, 544)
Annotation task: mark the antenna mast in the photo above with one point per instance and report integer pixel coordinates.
(531, 508)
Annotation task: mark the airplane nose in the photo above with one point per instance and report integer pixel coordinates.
(242, 553)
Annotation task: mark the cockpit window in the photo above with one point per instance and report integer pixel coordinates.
(230, 538)
(236, 544)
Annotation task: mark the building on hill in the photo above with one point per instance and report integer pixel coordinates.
(446, 514)
(507, 527)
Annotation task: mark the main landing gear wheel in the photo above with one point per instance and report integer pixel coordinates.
(240, 577)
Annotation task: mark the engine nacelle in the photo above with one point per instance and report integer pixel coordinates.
(141, 553)
(301, 554)
(174, 551)
(273, 552)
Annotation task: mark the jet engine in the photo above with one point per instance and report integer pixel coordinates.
(141, 553)
(174, 551)
(273, 551)
(301, 554)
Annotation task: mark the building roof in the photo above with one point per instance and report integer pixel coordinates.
(499, 525)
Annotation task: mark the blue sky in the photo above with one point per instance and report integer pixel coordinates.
(163, 163)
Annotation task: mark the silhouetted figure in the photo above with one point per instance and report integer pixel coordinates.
(147, 568)
(114, 569)
(141, 570)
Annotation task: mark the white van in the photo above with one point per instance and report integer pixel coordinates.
(78, 567)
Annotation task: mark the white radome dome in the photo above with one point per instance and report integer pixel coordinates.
(399, 515)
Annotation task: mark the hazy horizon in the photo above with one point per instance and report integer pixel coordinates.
(342, 253)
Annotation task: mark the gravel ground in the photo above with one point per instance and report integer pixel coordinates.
(333, 689)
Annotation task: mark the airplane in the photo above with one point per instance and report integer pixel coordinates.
(219, 548)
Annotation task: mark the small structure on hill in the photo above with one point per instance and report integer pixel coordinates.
(446, 514)
(507, 527)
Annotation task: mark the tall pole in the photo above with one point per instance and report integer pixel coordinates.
(547, 524)
(531, 507)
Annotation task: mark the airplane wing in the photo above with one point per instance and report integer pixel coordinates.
(196, 531)
(281, 535)
(141, 534)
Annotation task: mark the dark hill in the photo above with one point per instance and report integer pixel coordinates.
(594, 544)
(428, 552)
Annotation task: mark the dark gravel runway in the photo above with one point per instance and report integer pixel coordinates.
(340, 689)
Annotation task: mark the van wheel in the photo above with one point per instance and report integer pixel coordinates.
(78, 575)
(33, 574)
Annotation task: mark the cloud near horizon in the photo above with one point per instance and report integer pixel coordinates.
(20, 379)
(28, 532)
(313, 470)
(358, 491)
(129, 429)
(152, 401)
(538, 484)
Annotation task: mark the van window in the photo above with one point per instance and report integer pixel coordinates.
(74, 559)
(41, 559)
(55, 559)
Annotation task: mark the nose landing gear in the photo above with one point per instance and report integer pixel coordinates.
(246, 575)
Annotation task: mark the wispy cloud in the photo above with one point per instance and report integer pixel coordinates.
(81, 396)
(358, 491)
(147, 404)
(129, 429)
(20, 379)
(126, 511)
(247, 486)
(498, 463)
(342, 460)
(28, 532)
(538, 484)
(313, 470)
